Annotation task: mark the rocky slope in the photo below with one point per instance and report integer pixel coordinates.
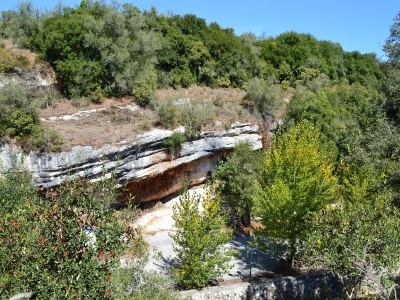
(143, 167)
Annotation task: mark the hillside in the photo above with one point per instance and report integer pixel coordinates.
(106, 108)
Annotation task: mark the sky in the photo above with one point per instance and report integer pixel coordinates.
(357, 25)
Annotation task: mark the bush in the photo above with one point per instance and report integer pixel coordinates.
(264, 96)
(359, 241)
(63, 248)
(46, 98)
(7, 61)
(133, 282)
(21, 123)
(145, 85)
(18, 117)
(174, 142)
(199, 240)
(168, 114)
(79, 77)
(194, 114)
(97, 95)
(46, 139)
(80, 101)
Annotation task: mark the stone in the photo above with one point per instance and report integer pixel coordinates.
(143, 167)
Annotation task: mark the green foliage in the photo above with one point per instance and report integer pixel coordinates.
(298, 58)
(194, 114)
(17, 115)
(45, 139)
(133, 282)
(238, 177)
(21, 123)
(340, 112)
(391, 91)
(191, 113)
(81, 78)
(377, 150)
(20, 25)
(144, 87)
(199, 240)
(98, 48)
(47, 97)
(265, 97)
(20, 120)
(9, 62)
(392, 45)
(168, 114)
(80, 101)
(297, 180)
(174, 142)
(121, 50)
(358, 241)
(63, 248)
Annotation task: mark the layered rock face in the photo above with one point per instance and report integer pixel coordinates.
(143, 167)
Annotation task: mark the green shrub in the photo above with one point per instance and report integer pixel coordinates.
(199, 240)
(14, 96)
(97, 95)
(63, 248)
(21, 123)
(264, 96)
(218, 101)
(80, 77)
(145, 85)
(7, 61)
(46, 139)
(133, 282)
(18, 117)
(168, 114)
(174, 142)
(359, 241)
(194, 114)
(46, 98)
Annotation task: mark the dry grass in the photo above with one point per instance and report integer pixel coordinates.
(114, 125)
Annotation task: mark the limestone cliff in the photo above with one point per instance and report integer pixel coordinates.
(143, 166)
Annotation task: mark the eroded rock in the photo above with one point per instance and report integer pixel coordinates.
(143, 166)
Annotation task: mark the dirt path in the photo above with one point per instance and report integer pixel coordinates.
(160, 218)
(157, 225)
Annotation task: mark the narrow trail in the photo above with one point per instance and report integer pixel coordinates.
(157, 225)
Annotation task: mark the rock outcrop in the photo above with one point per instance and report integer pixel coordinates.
(143, 167)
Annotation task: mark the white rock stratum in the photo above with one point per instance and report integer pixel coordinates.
(143, 166)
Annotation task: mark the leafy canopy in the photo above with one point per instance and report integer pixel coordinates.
(297, 180)
(199, 240)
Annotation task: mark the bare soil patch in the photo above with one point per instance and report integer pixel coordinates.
(111, 123)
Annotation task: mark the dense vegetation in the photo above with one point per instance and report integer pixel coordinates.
(326, 191)
(67, 243)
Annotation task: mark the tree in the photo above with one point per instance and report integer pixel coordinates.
(392, 45)
(237, 177)
(20, 25)
(392, 71)
(297, 180)
(199, 240)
